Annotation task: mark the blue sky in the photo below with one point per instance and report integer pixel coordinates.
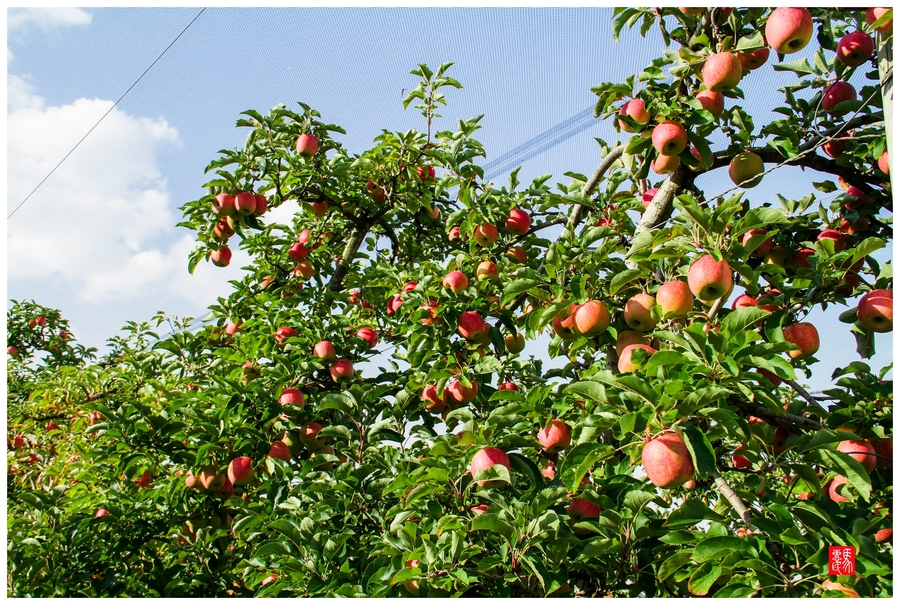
(98, 239)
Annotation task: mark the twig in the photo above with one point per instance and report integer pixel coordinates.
(782, 419)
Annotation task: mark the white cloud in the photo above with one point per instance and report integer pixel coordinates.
(100, 232)
(46, 18)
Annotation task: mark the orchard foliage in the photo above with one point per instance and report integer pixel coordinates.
(364, 487)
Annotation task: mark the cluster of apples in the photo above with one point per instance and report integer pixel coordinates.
(787, 30)
(230, 209)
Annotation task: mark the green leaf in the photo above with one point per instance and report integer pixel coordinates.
(493, 522)
(578, 463)
(701, 451)
(343, 402)
(674, 563)
(848, 467)
(703, 578)
(714, 548)
(622, 279)
(743, 318)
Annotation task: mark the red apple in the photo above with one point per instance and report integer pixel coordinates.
(861, 451)
(591, 319)
(875, 311)
(394, 303)
(665, 164)
(307, 145)
(630, 337)
(455, 281)
(518, 254)
(834, 148)
(763, 248)
(874, 14)
(221, 257)
(319, 209)
(223, 230)
(666, 461)
(713, 102)
(508, 386)
(710, 280)
(669, 138)
(308, 436)
(835, 236)
(324, 350)
(722, 71)
(233, 327)
(292, 396)
(804, 336)
(754, 60)
(637, 312)
(245, 203)
(883, 163)
(487, 270)
(518, 222)
(342, 371)
(280, 450)
(789, 30)
(555, 436)
(648, 196)
(855, 48)
(833, 486)
(848, 228)
(457, 392)
(470, 325)
(240, 471)
(738, 460)
(369, 335)
(744, 300)
(675, 298)
(635, 110)
(283, 333)
(436, 404)
(12, 351)
(580, 509)
(101, 512)
(262, 204)
(486, 235)
(746, 170)
(838, 92)
(297, 252)
(625, 364)
(486, 458)
(454, 233)
(223, 204)
(425, 172)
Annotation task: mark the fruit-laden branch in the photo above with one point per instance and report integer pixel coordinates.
(808, 159)
(733, 499)
(660, 208)
(614, 154)
(782, 419)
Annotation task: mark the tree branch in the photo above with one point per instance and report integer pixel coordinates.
(575, 215)
(804, 394)
(733, 499)
(782, 419)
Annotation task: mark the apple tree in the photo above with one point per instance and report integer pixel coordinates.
(365, 415)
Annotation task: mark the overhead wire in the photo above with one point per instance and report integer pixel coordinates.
(107, 113)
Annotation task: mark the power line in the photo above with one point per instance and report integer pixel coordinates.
(106, 114)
